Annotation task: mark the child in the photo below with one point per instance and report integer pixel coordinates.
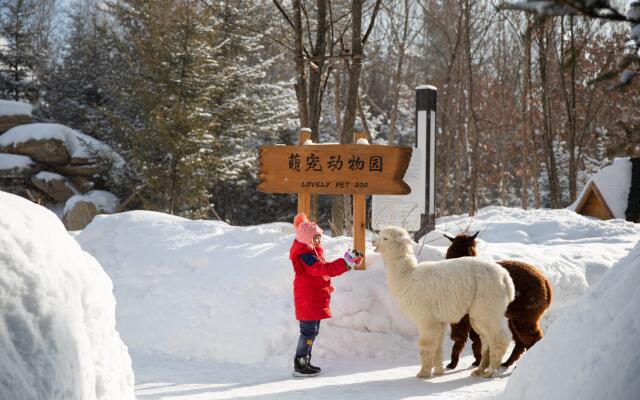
(312, 287)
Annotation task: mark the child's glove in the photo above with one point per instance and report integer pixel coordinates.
(353, 258)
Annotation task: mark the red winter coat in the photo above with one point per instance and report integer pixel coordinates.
(312, 284)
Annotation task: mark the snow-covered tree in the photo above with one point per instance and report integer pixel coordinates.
(18, 52)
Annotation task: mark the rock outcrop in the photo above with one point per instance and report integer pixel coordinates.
(50, 164)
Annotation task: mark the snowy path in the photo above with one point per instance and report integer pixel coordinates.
(353, 380)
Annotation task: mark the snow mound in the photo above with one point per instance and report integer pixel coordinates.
(57, 313)
(210, 291)
(591, 351)
(9, 108)
(105, 202)
(80, 146)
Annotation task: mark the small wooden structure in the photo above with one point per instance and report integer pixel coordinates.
(613, 192)
(356, 169)
(593, 204)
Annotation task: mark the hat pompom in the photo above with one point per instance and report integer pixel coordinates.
(300, 218)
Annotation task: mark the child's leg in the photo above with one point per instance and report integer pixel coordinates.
(308, 332)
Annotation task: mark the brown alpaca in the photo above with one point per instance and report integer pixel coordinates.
(533, 298)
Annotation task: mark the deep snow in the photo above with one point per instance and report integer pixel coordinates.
(57, 313)
(206, 308)
(591, 351)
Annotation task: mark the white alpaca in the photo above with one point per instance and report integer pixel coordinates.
(436, 294)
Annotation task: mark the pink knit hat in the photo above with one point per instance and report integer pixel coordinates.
(306, 230)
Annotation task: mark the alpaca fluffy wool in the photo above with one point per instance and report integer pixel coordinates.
(533, 298)
(434, 294)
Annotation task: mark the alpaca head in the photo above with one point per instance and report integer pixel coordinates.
(393, 239)
(462, 245)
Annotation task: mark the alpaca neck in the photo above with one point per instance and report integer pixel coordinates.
(400, 266)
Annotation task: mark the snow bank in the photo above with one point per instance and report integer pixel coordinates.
(8, 108)
(57, 313)
(209, 291)
(79, 145)
(591, 351)
(105, 202)
(614, 183)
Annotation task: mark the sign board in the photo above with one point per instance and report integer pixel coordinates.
(334, 169)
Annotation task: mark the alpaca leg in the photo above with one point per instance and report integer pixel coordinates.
(426, 356)
(438, 337)
(498, 347)
(484, 359)
(476, 346)
(459, 333)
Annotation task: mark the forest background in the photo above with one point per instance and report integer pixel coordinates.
(186, 91)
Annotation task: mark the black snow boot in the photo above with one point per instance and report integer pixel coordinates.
(301, 367)
(313, 366)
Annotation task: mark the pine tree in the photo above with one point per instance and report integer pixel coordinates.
(18, 55)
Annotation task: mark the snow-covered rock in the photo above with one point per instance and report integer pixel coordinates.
(80, 148)
(13, 113)
(80, 209)
(591, 351)
(9, 108)
(57, 314)
(51, 150)
(54, 185)
(16, 166)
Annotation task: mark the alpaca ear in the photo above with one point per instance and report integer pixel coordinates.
(475, 235)
(449, 237)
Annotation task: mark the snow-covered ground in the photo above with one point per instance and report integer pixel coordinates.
(206, 308)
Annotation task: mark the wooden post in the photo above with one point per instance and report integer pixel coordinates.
(360, 217)
(304, 198)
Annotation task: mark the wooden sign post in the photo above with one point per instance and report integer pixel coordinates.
(356, 169)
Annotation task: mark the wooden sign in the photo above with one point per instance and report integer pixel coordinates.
(334, 169)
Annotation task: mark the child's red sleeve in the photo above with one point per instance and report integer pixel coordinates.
(317, 267)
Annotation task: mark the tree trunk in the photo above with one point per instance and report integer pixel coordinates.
(397, 76)
(315, 73)
(301, 81)
(354, 72)
(526, 116)
(473, 204)
(547, 136)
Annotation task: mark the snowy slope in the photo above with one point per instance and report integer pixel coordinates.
(591, 351)
(57, 314)
(207, 306)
